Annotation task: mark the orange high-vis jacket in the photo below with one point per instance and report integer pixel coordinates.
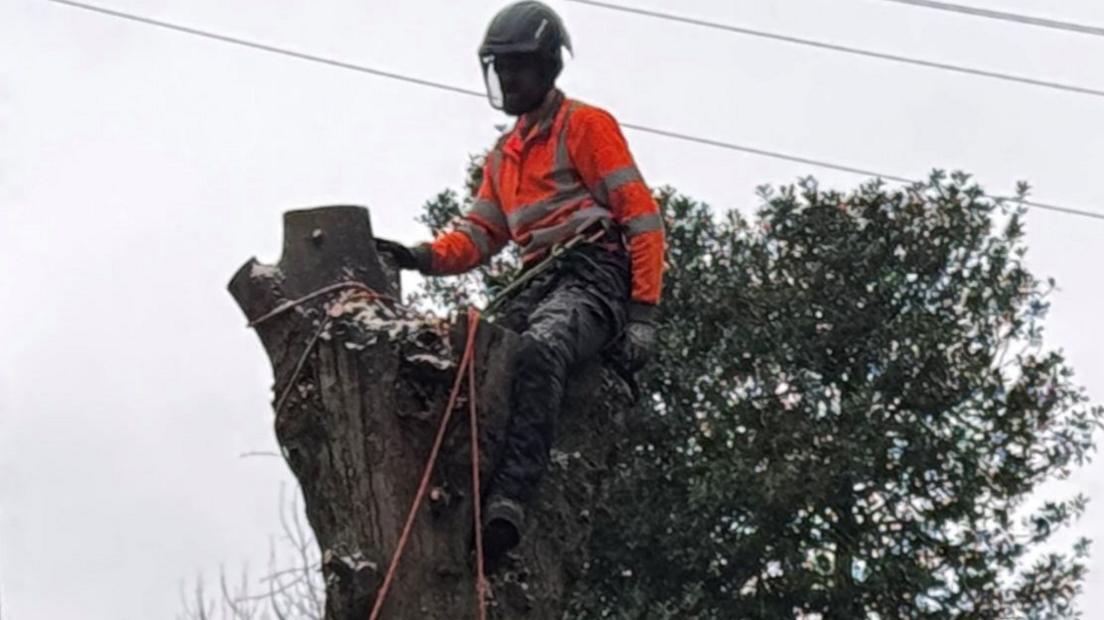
(544, 186)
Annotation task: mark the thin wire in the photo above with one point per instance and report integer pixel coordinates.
(269, 48)
(766, 153)
(839, 167)
(464, 91)
(1028, 20)
(930, 64)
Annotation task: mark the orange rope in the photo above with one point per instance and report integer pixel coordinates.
(467, 362)
(477, 496)
(290, 383)
(288, 305)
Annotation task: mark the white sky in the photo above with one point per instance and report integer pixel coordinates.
(139, 168)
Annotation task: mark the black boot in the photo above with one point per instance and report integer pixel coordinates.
(503, 523)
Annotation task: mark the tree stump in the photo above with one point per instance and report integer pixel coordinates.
(361, 383)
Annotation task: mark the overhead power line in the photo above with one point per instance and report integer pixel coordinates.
(838, 167)
(1028, 20)
(473, 93)
(268, 48)
(823, 45)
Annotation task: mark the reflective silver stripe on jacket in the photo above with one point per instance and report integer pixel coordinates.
(536, 211)
(490, 213)
(564, 176)
(614, 180)
(562, 162)
(576, 223)
(641, 224)
(477, 235)
(496, 165)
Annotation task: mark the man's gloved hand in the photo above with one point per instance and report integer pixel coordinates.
(417, 257)
(640, 335)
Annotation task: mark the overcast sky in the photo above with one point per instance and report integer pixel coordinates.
(139, 168)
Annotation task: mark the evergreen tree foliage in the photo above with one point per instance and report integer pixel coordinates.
(851, 406)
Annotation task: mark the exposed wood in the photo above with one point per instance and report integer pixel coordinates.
(359, 420)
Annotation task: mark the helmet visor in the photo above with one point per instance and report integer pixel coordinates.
(494, 85)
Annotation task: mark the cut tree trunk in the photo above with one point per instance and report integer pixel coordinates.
(360, 385)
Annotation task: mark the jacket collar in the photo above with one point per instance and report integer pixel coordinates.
(543, 117)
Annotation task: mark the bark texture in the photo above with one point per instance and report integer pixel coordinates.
(366, 383)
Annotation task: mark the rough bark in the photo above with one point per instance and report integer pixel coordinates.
(359, 420)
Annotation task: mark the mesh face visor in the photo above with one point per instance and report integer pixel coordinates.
(494, 85)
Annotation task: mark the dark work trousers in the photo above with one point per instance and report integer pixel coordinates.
(566, 316)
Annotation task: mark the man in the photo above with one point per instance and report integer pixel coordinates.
(564, 170)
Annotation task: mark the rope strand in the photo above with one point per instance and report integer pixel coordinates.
(477, 496)
(465, 361)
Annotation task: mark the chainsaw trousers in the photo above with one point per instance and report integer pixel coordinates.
(566, 316)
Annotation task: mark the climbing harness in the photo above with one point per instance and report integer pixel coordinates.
(554, 254)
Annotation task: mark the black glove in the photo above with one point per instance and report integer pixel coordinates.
(640, 335)
(417, 257)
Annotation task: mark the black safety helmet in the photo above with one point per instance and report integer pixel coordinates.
(526, 27)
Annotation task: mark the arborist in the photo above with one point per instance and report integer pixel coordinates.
(564, 170)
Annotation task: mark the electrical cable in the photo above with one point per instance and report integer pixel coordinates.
(930, 64)
(268, 48)
(465, 91)
(1027, 20)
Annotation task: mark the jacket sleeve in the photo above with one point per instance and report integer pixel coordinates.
(601, 155)
(480, 234)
